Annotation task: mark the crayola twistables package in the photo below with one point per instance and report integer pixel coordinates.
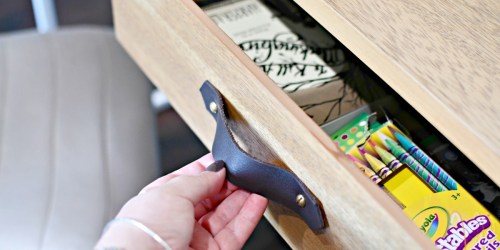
(448, 215)
(452, 219)
(455, 220)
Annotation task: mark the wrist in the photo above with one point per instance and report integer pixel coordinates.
(126, 236)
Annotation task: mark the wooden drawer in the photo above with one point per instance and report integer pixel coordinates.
(179, 48)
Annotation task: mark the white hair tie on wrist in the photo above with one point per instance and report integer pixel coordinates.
(140, 226)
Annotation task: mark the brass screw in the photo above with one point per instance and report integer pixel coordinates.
(213, 107)
(301, 200)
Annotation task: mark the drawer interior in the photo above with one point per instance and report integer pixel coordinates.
(358, 86)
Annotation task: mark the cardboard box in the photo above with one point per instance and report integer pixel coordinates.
(452, 219)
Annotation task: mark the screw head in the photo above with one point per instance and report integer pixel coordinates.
(301, 200)
(213, 107)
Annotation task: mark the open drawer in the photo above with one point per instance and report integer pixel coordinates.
(179, 48)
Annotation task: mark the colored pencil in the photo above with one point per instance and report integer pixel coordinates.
(379, 167)
(388, 158)
(407, 159)
(426, 161)
(368, 172)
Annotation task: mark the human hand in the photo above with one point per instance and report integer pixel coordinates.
(189, 209)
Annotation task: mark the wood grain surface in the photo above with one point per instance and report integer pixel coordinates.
(443, 57)
(178, 47)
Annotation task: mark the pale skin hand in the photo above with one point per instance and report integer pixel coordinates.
(190, 209)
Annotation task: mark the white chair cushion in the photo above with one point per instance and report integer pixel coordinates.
(76, 136)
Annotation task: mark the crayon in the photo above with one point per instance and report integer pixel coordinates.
(388, 158)
(383, 138)
(407, 159)
(369, 146)
(368, 172)
(426, 161)
(378, 166)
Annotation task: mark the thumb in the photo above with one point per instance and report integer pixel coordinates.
(198, 187)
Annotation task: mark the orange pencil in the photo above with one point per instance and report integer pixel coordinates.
(368, 172)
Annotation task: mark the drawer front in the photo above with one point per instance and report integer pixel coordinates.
(179, 48)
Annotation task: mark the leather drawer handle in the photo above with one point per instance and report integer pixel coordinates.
(256, 176)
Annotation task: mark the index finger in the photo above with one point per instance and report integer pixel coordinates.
(192, 168)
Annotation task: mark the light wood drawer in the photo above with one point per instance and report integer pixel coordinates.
(178, 47)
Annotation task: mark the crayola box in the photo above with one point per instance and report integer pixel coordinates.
(452, 219)
(455, 220)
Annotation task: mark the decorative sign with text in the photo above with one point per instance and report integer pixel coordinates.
(274, 47)
(306, 66)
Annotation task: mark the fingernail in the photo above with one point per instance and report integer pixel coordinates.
(215, 167)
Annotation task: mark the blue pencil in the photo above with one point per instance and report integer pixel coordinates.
(425, 160)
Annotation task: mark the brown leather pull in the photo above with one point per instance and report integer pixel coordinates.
(256, 176)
